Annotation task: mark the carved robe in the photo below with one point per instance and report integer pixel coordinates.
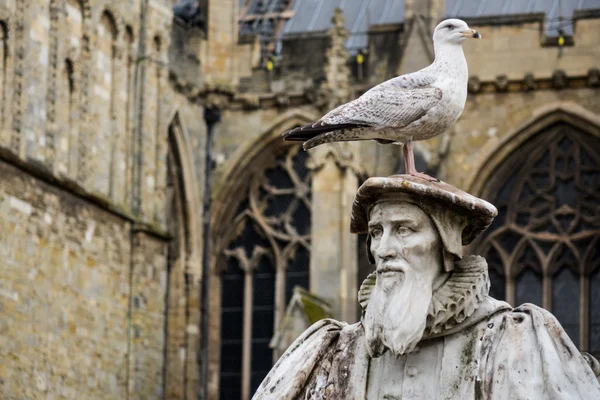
(490, 352)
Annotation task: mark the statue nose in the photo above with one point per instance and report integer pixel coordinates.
(386, 252)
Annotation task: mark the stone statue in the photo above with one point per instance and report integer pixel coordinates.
(429, 330)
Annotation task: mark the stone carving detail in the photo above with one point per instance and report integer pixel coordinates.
(559, 79)
(501, 83)
(593, 77)
(548, 226)
(337, 73)
(52, 95)
(474, 84)
(19, 80)
(529, 82)
(278, 203)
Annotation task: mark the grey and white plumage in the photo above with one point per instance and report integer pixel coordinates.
(415, 106)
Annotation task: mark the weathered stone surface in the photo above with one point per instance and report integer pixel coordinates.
(64, 294)
(477, 213)
(60, 59)
(428, 331)
(88, 116)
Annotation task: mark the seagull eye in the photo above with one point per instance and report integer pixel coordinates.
(450, 26)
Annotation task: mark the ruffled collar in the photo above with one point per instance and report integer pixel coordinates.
(454, 301)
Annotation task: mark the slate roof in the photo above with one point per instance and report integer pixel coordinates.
(315, 15)
(555, 19)
(311, 16)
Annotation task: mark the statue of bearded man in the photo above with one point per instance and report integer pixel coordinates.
(429, 330)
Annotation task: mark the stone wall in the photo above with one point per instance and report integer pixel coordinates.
(64, 295)
(88, 117)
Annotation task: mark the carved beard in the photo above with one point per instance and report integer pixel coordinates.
(396, 316)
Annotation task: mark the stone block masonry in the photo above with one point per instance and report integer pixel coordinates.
(80, 315)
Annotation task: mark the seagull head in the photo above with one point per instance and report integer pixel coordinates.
(454, 31)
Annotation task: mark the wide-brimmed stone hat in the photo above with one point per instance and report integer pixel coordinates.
(458, 216)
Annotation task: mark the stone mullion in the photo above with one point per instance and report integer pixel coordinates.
(546, 291)
(247, 334)
(280, 273)
(510, 289)
(584, 312)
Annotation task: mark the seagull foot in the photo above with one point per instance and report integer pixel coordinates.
(423, 176)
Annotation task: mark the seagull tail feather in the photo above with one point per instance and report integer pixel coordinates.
(314, 129)
(337, 136)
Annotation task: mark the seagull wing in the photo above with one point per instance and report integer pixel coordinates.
(395, 103)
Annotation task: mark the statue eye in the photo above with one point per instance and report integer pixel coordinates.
(376, 233)
(450, 26)
(404, 231)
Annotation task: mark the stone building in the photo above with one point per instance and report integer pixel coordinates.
(107, 112)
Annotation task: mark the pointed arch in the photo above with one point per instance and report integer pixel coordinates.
(493, 153)
(544, 178)
(179, 140)
(182, 300)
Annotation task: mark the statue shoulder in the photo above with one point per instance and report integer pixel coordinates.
(532, 342)
(291, 373)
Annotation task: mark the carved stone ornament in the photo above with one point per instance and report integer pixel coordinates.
(529, 82)
(429, 328)
(474, 84)
(559, 79)
(501, 83)
(593, 77)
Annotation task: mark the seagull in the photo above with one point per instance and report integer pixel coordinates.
(415, 106)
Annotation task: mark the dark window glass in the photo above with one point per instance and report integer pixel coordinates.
(595, 314)
(232, 318)
(497, 285)
(529, 288)
(565, 302)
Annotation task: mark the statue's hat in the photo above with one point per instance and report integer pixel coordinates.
(458, 216)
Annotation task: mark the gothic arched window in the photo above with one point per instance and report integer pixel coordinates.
(544, 246)
(267, 255)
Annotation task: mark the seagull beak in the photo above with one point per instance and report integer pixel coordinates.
(471, 33)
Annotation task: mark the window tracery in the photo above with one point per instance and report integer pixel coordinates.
(543, 247)
(267, 255)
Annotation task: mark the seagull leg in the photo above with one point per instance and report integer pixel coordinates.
(409, 163)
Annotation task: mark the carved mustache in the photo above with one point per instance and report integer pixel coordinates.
(392, 267)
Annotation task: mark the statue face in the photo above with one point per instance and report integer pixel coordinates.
(402, 237)
(407, 251)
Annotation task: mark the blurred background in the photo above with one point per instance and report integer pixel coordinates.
(158, 239)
